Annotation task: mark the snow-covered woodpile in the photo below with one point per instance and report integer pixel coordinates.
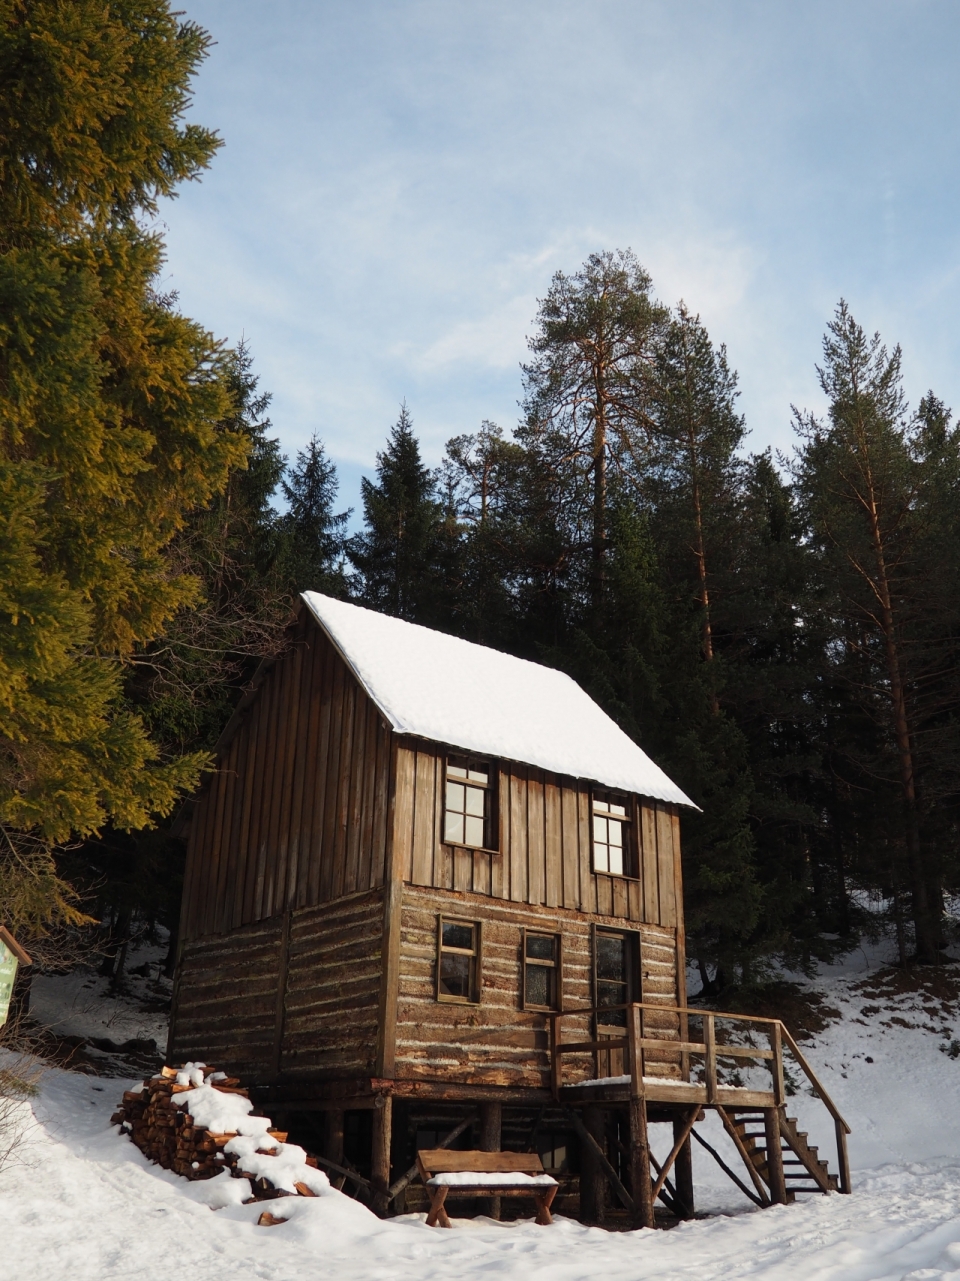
(198, 1122)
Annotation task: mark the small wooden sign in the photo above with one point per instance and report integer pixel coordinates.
(11, 955)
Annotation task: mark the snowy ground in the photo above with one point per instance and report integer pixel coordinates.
(84, 1203)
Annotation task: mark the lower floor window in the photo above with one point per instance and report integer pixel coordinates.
(458, 960)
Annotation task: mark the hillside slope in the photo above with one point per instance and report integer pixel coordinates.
(82, 1202)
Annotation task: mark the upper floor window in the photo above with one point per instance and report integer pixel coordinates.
(468, 803)
(611, 834)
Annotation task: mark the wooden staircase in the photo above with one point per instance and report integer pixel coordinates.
(803, 1171)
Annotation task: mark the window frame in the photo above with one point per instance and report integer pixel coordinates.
(491, 826)
(628, 829)
(633, 979)
(477, 954)
(557, 966)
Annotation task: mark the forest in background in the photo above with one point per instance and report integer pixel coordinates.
(779, 634)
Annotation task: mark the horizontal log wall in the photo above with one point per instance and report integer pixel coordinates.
(296, 813)
(225, 1004)
(293, 997)
(333, 990)
(495, 1042)
(545, 850)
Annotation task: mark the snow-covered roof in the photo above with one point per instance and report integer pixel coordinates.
(452, 691)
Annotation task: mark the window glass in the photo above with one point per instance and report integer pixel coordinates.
(467, 805)
(541, 970)
(609, 835)
(613, 973)
(457, 961)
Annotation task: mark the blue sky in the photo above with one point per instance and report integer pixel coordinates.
(399, 182)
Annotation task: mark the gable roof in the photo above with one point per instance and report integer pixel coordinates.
(448, 690)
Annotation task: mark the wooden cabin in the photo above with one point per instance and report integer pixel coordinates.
(433, 895)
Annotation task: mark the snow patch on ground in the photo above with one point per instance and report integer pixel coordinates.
(84, 1203)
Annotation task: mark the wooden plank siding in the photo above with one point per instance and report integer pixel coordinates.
(496, 1042)
(545, 853)
(296, 814)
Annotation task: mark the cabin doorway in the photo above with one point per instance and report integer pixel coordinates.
(616, 984)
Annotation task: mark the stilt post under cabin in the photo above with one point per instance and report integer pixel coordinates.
(593, 1181)
(683, 1171)
(491, 1124)
(380, 1154)
(642, 1185)
(333, 1144)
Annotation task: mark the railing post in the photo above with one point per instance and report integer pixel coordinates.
(639, 1141)
(776, 1063)
(555, 1055)
(710, 1058)
(843, 1161)
(771, 1127)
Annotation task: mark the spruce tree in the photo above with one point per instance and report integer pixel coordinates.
(314, 538)
(402, 555)
(112, 414)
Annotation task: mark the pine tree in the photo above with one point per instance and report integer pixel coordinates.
(587, 390)
(862, 481)
(314, 536)
(112, 413)
(403, 553)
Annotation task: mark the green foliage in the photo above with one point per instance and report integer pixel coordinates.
(113, 407)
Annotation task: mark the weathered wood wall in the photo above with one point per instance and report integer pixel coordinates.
(495, 1042)
(296, 813)
(545, 851)
(291, 997)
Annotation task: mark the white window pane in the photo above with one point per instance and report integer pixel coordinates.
(455, 796)
(616, 833)
(453, 828)
(474, 831)
(457, 771)
(474, 800)
(618, 809)
(599, 829)
(601, 805)
(616, 860)
(479, 776)
(601, 862)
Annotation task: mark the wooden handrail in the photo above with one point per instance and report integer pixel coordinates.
(814, 1080)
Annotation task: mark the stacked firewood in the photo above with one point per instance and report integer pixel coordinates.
(168, 1134)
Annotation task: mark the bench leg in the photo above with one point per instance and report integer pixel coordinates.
(438, 1214)
(544, 1203)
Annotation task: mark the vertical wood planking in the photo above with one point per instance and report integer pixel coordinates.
(571, 846)
(230, 787)
(247, 819)
(273, 853)
(368, 784)
(681, 940)
(258, 800)
(404, 788)
(588, 881)
(536, 861)
(351, 876)
(329, 836)
(286, 771)
(231, 915)
(342, 818)
(518, 837)
(651, 879)
(321, 777)
(552, 844)
(308, 862)
(296, 754)
(380, 853)
(425, 787)
(665, 868)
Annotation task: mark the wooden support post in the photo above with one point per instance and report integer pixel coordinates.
(683, 1171)
(639, 1139)
(710, 1063)
(593, 1184)
(333, 1145)
(778, 1185)
(380, 1154)
(843, 1160)
(776, 1064)
(555, 1063)
(491, 1124)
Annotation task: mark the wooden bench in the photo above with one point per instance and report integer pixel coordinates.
(483, 1174)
